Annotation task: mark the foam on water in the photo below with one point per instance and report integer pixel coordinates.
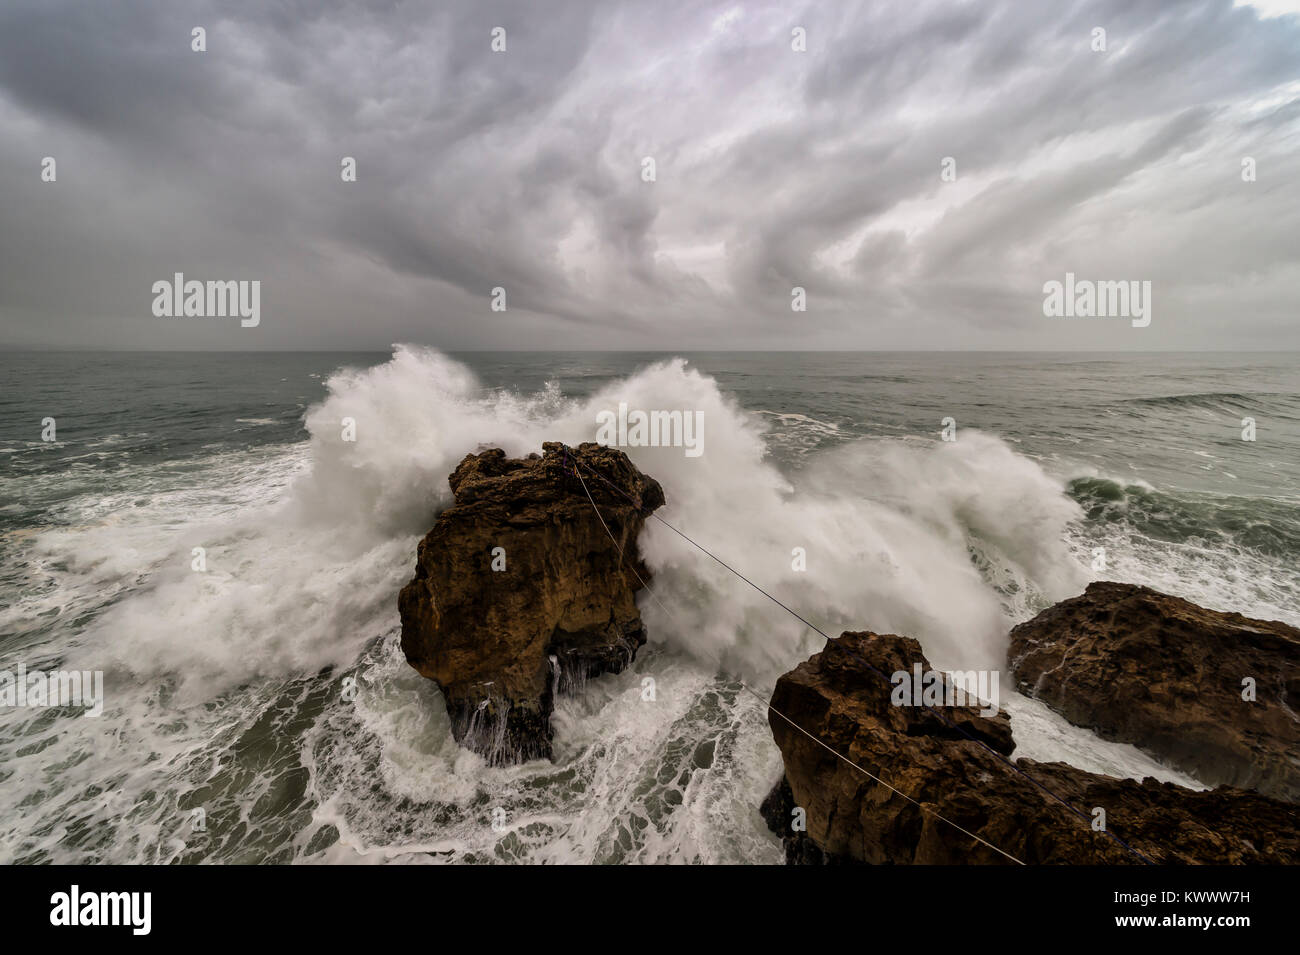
(226, 688)
(889, 528)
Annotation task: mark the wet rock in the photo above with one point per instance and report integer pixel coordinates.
(1141, 667)
(951, 761)
(519, 592)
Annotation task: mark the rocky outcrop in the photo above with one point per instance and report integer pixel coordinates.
(1141, 667)
(951, 761)
(519, 592)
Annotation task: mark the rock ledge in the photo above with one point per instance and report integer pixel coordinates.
(1138, 666)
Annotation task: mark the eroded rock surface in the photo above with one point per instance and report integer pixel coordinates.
(952, 765)
(501, 643)
(1141, 667)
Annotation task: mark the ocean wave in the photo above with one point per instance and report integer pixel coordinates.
(943, 541)
(225, 685)
(1267, 526)
(1283, 404)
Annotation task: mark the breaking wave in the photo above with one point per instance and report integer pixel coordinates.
(224, 686)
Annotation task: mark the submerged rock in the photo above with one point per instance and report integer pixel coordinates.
(1141, 667)
(950, 759)
(519, 592)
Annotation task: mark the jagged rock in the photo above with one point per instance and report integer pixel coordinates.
(501, 643)
(952, 762)
(1141, 667)
(777, 811)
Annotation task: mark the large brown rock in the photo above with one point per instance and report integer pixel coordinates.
(1141, 667)
(501, 643)
(953, 765)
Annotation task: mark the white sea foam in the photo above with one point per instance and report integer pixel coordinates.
(307, 546)
(889, 528)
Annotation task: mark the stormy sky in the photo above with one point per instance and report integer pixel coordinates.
(773, 168)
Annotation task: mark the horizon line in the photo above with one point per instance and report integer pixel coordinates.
(36, 349)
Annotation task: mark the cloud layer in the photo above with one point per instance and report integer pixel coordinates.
(774, 168)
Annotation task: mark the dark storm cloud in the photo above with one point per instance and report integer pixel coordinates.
(522, 170)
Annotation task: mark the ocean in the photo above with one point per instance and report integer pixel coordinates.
(199, 530)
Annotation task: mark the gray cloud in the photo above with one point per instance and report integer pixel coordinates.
(523, 170)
